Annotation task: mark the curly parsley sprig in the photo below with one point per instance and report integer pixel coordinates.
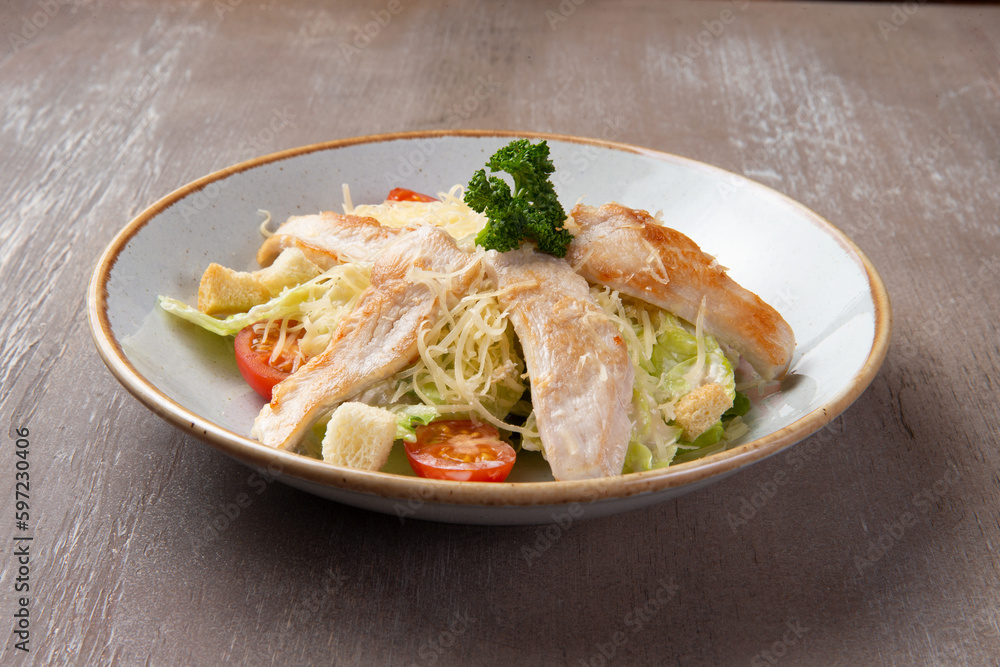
(531, 212)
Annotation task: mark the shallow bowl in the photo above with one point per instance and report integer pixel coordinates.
(815, 276)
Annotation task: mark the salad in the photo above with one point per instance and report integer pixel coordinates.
(469, 327)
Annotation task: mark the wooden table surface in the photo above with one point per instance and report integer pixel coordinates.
(875, 546)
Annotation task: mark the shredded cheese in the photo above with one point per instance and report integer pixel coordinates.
(468, 362)
(265, 227)
(328, 297)
(696, 376)
(451, 213)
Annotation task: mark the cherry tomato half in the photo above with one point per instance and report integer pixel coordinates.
(402, 194)
(460, 450)
(253, 357)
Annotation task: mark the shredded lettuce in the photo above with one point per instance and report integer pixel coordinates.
(409, 417)
(638, 458)
(670, 360)
(531, 440)
(716, 368)
(741, 406)
(229, 326)
(318, 303)
(709, 442)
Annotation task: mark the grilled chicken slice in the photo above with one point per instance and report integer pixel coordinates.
(328, 238)
(377, 338)
(581, 376)
(628, 250)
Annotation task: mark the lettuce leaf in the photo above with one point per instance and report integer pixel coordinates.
(285, 303)
(409, 417)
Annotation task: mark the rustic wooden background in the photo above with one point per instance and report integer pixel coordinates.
(874, 542)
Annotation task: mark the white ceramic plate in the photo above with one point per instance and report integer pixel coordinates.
(812, 273)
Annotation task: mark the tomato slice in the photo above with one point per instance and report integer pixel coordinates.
(460, 450)
(254, 351)
(402, 194)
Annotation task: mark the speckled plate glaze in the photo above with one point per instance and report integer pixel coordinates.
(812, 273)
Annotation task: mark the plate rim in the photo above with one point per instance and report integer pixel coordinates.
(401, 487)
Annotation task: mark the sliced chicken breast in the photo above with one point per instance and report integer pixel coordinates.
(581, 376)
(378, 338)
(628, 250)
(328, 238)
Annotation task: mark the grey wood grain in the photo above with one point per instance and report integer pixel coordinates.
(873, 542)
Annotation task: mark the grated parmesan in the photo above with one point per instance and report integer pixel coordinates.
(451, 213)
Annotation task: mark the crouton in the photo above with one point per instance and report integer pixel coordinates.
(359, 436)
(225, 291)
(289, 269)
(699, 409)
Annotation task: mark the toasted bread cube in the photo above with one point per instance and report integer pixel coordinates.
(359, 436)
(702, 407)
(289, 269)
(225, 291)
